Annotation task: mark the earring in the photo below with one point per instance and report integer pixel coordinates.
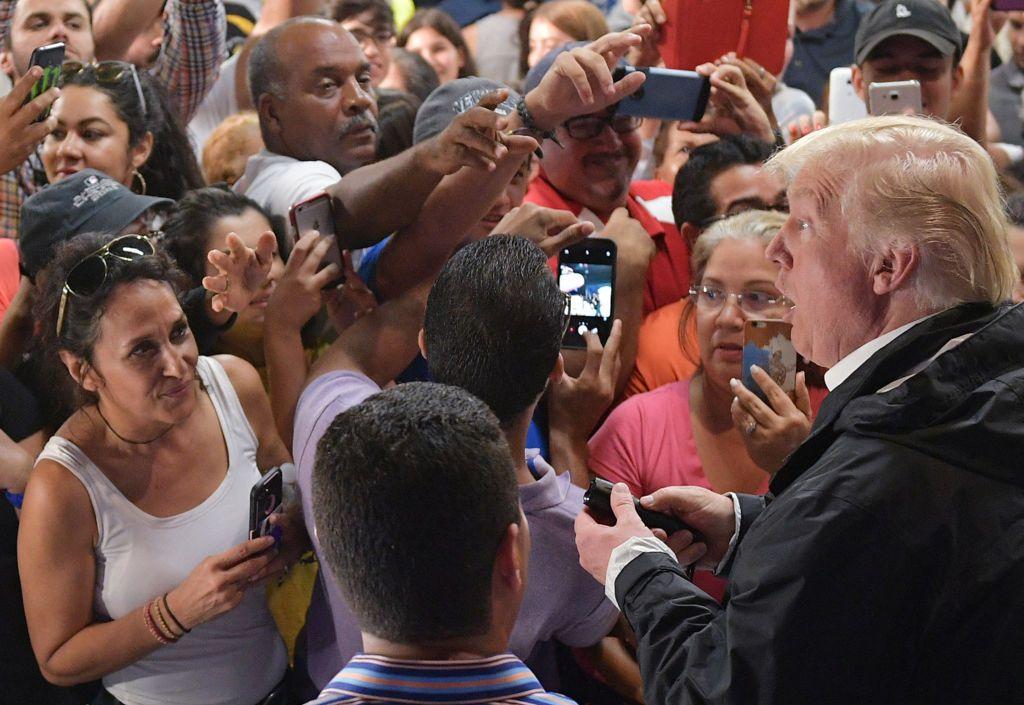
(137, 175)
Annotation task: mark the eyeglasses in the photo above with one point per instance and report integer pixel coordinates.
(380, 37)
(780, 207)
(86, 277)
(750, 301)
(106, 72)
(587, 127)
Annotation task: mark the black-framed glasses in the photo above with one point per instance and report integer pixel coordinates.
(86, 277)
(751, 301)
(381, 37)
(106, 72)
(587, 127)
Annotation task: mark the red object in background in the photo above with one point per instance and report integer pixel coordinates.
(699, 31)
(10, 277)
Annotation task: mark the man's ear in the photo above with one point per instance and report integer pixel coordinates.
(7, 64)
(690, 233)
(892, 268)
(84, 374)
(421, 339)
(267, 109)
(508, 564)
(557, 371)
(857, 76)
(958, 77)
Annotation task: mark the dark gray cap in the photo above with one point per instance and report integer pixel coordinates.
(455, 98)
(89, 201)
(925, 19)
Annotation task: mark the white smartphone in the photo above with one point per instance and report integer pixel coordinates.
(317, 214)
(844, 104)
(895, 98)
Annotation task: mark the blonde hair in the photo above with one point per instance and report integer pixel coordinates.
(911, 181)
(229, 147)
(760, 226)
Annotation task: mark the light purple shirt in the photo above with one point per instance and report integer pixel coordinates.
(561, 602)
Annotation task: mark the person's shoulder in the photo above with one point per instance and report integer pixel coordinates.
(324, 398)
(242, 375)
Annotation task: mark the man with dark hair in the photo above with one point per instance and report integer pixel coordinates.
(823, 37)
(435, 598)
(372, 23)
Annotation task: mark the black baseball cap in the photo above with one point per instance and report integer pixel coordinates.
(454, 98)
(89, 201)
(925, 19)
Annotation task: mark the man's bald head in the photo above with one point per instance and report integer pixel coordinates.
(267, 71)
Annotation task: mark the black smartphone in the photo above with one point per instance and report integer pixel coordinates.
(586, 275)
(317, 214)
(50, 57)
(598, 499)
(265, 500)
(667, 94)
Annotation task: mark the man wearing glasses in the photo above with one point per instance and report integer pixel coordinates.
(588, 171)
(372, 24)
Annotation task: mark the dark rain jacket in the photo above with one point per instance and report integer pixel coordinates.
(886, 564)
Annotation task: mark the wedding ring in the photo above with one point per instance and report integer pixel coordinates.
(750, 428)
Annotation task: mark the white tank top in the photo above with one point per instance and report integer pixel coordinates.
(235, 659)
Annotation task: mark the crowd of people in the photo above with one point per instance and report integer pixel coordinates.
(173, 333)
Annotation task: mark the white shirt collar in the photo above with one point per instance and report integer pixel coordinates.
(849, 364)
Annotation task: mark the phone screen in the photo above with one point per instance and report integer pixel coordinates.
(767, 344)
(586, 274)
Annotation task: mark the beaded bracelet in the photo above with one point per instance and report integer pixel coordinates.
(151, 626)
(162, 622)
(177, 622)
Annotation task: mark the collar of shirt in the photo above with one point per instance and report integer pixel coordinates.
(549, 489)
(844, 23)
(550, 197)
(849, 364)
(1014, 76)
(498, 678)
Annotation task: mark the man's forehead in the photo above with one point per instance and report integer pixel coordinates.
(316, 45)
(27, 8)
(367, 19)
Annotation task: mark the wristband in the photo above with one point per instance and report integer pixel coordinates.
(15, 498)
(529, 124)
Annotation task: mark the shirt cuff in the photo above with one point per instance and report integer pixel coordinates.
(735, 533)
(624, 554)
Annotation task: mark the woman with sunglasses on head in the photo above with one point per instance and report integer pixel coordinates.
(116, 119)
(692, 432)
(133, 548)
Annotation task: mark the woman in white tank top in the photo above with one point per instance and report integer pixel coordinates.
(133, 547)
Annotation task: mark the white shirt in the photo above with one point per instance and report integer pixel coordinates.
(220, 103)
(842, 370)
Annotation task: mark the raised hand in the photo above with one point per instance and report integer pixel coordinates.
(241, 271)
(298, 295)
(350, 301)
(647, 52)
(473, 139)
(771, 432)
(576, 404)
(732, 107)
(19, 135)
(549, 228)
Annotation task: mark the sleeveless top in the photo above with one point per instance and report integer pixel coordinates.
(234, 659)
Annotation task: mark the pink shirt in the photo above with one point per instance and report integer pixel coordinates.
(647, 442)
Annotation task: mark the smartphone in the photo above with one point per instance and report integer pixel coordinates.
(667, 94)
(894, 98)
(768, 345)
(317, 213)
(1007, 5)
(265, 500)
(586, 275)
(844, 104)
(598, 499)
(50, 57)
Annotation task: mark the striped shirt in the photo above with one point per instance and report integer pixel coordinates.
(500, 680)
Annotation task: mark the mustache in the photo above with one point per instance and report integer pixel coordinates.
(359, 121)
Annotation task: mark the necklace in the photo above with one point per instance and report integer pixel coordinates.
(127, 440)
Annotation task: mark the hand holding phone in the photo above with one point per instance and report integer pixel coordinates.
(598, 500)
(50, 58)
(266, 499)
(667, 94)
(768, 345)
(586, 275)
(317, 213)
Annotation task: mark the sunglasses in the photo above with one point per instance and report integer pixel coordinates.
(86, 277)
(106, 72)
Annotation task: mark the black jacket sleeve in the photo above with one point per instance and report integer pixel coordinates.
(193, 303)
(821, 596)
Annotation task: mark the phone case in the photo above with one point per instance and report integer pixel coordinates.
(586, 274)
(844, 104)
(767, 344)
(669, 94)
(699, 31)
(316, 213)
(265, 499)
(50, 58)
(598, 499)
(894, 98)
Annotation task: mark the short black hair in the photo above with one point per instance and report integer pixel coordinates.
(413, 492)
(691, 193)
(383, 15)
(1015, 209)
(419, 76)
(493, 324)
(396, 118)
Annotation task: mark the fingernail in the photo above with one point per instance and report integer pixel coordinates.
(647, 500)
(755, 368)
(734, 382)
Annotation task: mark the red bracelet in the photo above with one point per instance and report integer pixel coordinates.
(152, 626)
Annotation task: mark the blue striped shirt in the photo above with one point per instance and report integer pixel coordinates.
(498, 679)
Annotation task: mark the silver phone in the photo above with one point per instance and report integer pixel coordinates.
(895, 98)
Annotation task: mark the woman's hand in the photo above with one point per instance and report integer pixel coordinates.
(732, 107)
(240, 272)
(294, 542)
(299, 292)
(350, 301)
(771, 433)
(760, 81)
(219, 582)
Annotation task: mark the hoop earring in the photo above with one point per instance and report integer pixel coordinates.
(137, 175)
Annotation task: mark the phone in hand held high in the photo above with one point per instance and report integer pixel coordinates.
(667, 94)
(266, 499)
(768, 345)
(894, 98)
(317, 213)
(50, 57)
(586, 275)
(844, 104)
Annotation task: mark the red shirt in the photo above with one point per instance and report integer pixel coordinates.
(668, 277)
